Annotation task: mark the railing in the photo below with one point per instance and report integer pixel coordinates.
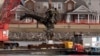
(58, 22)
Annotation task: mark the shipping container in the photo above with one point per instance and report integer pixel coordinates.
(91, 43)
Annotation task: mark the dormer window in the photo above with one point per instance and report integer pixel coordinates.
(70, 6)
(30, 4)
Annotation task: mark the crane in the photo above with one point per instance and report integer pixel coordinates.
(5, 18)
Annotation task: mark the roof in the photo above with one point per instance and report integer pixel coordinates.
(78, 2)
(19, 8)
(82, 8)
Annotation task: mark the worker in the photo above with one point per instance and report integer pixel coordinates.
(48, 13)
(55, 12)
(52, 13)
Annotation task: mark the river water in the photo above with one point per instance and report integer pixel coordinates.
(46, 55)
(28, 55)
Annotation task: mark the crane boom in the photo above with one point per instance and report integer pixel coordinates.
(6, 13)
(6, 16)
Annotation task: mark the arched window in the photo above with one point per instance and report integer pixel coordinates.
(29, 4)
(70, 6)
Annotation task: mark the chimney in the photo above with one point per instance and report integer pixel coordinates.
(50, 4)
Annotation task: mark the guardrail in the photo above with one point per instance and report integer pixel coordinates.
(69, 26)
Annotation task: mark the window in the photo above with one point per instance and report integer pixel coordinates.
(17, 16)
(59, 6)
(99, 2)
(89, 2)
(98, 38)
(53, 5)
(69, 6)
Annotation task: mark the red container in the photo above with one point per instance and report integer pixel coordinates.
(79, 48)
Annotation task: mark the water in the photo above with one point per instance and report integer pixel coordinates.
(47, 55)
(27, 55)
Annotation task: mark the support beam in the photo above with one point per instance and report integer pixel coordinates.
(92, 18)
(68, 18)
(88, 18)
(98, 18)
(78, 18)
(16, 16)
